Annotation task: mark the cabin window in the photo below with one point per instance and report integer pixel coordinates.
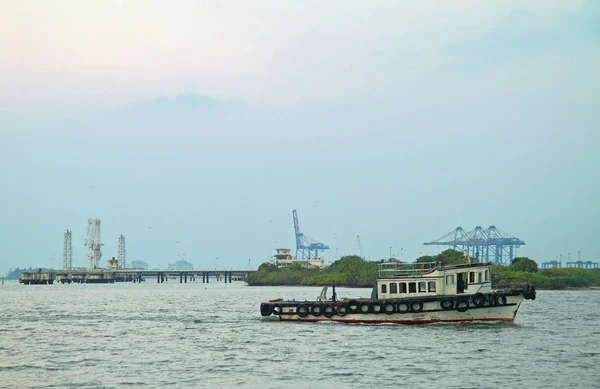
(487, 275)
(403, 287)
(383, 288)
(422, 287)
(479, 277)
(394, 288)
(431, 285)
(472, 277)
(450, 279)
(412, 287)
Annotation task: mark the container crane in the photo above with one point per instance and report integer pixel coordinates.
(306, 247)
(490, 244)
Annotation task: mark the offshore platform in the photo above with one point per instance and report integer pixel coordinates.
(490, 244)
(307, 247)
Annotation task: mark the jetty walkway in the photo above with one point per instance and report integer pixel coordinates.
(96, 276)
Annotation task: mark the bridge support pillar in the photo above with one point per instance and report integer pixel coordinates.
(180, 278)
(230, 277)
(185, 277)
(158, 278)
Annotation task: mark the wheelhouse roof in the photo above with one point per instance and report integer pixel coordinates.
(420, 269)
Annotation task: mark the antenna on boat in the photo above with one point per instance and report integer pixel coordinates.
(334, 297)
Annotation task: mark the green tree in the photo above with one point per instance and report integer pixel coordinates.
(446, 257)
(454, 257)
(426, 258)
(357, 271)
(16, 273)
(524, 264)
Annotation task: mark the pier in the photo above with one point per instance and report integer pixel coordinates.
(105, 276)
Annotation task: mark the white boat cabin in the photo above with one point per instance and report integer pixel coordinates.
(400, 280)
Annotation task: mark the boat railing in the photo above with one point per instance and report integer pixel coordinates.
(323, 295)
(395, 269)
(472, 263)
(504, 283)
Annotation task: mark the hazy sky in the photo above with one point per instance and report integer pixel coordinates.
(195, 127)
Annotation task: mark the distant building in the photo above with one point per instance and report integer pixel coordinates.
(139, 265)
(583, 265)
(181, 265)
(113, 264)
(283, 258)
(551, 265)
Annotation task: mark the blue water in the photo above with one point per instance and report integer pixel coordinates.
(198, 335)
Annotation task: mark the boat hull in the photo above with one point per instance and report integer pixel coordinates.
(426, 312)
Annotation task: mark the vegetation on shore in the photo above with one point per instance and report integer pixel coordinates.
(350, 270)
(16, 273)
(355, 271)
(564, 278)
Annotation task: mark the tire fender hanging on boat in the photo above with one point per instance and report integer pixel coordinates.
(532, 293)
(446, 304)
(389, 307)
(478, 299)
(402, 307)
(376, 307)
(328, 310)
(462, 305)
(353, 306)
(366, 307)
(302, 310)
(416, 306)
(529, 292)
(277, 309)
(266, 309)
(342, 309)
(500, 299)
(316, 310)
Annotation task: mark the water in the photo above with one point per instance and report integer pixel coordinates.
(212, 335)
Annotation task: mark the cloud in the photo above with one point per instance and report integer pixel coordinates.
(584, 24)
(182, 102)
(523, 33)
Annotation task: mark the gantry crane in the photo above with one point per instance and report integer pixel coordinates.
(306, 247)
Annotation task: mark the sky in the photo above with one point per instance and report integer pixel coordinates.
(194, 128)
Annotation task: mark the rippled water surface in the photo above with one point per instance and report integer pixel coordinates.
(212, 335)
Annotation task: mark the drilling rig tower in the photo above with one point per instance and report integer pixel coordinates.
(67, 252)
(93, 243)
(121, 253)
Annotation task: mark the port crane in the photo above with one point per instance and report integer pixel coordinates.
(490, 244)
(306, 247)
